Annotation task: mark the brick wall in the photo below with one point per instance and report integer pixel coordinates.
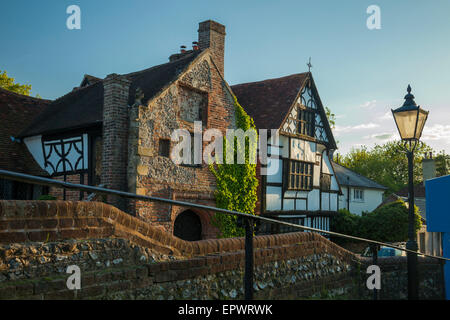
(71, 195)
(122, 257)
(115, 136)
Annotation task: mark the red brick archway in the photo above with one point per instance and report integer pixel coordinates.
(208, 230)
(188, 226)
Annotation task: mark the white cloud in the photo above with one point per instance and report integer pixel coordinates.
(437, 132)
(369, 104)
(363, 126)
(382, 136)
(387, 116)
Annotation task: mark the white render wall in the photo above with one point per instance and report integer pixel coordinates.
(304, 151)
(372, 199)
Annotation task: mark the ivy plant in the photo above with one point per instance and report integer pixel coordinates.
(236, 183)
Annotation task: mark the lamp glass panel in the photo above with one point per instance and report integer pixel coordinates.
(421, 122)
(406, 123)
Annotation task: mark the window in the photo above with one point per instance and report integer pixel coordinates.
(164, 148)
(358, 194)
(193, 152)
(306, 120)
(300, 175)
(325, 182)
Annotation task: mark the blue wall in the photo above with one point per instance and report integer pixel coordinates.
(437, 192)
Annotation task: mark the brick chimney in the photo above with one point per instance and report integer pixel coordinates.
(115, 136)
(428, 168)
(211, 35)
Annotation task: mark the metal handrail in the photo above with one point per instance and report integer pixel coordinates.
(248, 217)
(68, 185)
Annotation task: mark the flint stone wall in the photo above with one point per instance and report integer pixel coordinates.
(121, 257)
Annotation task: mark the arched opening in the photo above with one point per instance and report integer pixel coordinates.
(187, 226)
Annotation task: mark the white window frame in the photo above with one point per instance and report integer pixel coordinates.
(361, 194)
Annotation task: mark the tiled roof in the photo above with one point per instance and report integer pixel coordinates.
(268, 101)
(347, 177)
(16, 112)
(80, 108)
(419, 191)
(153, 80)
(83, 107)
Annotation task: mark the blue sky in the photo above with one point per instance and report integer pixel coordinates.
(360, 73)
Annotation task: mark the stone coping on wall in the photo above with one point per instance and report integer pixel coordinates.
(34, 221)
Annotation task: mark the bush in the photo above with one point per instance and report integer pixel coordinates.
(388, 223)
(346, 223)
(46, 197)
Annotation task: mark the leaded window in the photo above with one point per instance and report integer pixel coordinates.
(306, 122)
(300, 175)
(306, 118)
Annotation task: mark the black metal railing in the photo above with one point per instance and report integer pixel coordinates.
(248, 219)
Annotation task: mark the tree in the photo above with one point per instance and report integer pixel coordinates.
(442, 164)
(8, 84)
(331, 117)
(386, 164)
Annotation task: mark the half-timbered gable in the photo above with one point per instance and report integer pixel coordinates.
(303, 189)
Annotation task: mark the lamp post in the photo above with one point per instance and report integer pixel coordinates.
(410, 120)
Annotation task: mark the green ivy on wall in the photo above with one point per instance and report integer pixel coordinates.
(236, 183)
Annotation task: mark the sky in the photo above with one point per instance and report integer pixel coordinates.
(361, 73)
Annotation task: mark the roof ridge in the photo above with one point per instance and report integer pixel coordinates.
(270, 79)
(77, 89)
(160, 65)
(23, 96)
(333, 162)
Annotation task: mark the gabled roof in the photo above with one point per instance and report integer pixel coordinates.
(83, 107)
(268, 101)
(16, 112)
(347, 177)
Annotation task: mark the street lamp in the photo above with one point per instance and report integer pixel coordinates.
(410, 120)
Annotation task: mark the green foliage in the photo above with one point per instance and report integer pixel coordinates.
(386, 164)
(46, 197)
(388, 223)
(236, 183)
(346, 223)
(8, 84)
(442, 164)
(331, 117)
